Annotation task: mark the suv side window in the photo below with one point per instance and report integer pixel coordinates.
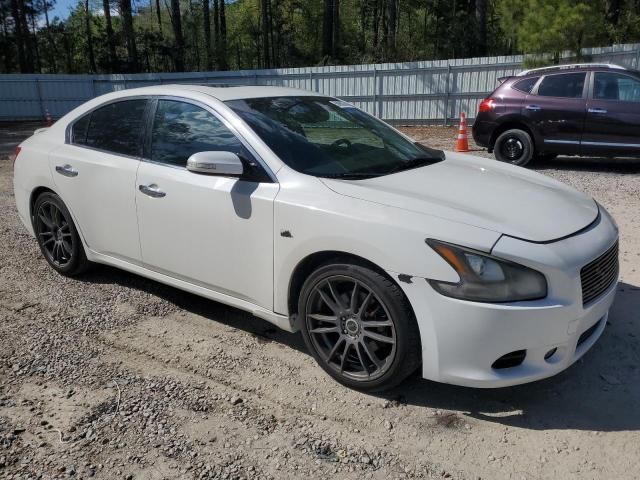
(613, 86)
(181, 129)
(526, 85)
(117, 127)
(566, 85)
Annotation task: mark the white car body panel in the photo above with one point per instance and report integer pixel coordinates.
(240, 244)
(103, 198)
(221, 227)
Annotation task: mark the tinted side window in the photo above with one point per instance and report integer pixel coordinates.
(526, 85)
(568, 85)
(612, 86)
(181, 129)
(79, 130)
(117, 127)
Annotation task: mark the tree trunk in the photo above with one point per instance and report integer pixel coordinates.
(19, 35)
(129, 34)
(223, 37)
(264, 29)
(111, 46)
(89, 39)
(391, 27)
(335, 44)
(159, 14)
(206, 23)
(176, 22)
(481, 18)
(327, 29)
(36, 47)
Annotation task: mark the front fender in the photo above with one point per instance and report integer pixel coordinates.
(310, 218)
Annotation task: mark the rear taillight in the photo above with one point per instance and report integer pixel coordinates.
(487, 105)
(18, 148)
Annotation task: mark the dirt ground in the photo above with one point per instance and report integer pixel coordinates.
(110, 375)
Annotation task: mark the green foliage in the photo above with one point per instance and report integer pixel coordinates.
(363, 31)
(540, 26)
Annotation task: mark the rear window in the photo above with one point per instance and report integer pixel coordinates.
(566, 85)
(117, 127)
(526, 85)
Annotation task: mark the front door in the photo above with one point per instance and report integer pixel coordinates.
(212, 231)
(612, 126)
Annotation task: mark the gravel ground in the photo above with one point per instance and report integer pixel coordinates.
(113, 376)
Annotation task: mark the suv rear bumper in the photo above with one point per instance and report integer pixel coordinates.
(482, 130)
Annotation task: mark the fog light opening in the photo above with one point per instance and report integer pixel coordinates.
(550, 353)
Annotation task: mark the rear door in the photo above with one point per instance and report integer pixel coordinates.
(95, 175)
(612, 124)
(556, 111)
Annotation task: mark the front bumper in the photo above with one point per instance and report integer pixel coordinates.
(461, 340)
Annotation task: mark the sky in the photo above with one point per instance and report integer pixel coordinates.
(61, 8)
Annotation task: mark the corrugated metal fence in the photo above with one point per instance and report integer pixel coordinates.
(403, 93)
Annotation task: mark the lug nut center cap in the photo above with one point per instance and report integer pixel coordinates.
(352, 326)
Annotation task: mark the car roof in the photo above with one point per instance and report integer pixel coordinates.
(222, 93)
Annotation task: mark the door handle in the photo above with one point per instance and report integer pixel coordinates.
(66, 170)
(533, 108)
(152, 190)
(596, 110)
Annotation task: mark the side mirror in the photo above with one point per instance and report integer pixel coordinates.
(215, 163)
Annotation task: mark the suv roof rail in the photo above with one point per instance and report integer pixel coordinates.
(570, 66)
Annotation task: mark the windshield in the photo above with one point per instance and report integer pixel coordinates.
(330, 138)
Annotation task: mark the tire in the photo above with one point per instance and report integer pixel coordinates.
(515, 147)
(344, 340)
(57, 236)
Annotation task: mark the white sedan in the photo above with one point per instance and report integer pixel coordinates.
(315, 216)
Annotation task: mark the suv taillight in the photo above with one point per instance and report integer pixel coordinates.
(487, 105)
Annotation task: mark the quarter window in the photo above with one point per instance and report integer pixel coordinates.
(526, 85)
(181, 129)
(117, 127)
(612, 86)
(567, 85)
(79, 130)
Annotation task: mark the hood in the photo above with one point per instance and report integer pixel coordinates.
(482, 193)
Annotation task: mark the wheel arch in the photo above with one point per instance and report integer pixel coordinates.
(315, 260)
(512, 123)
(35, 193)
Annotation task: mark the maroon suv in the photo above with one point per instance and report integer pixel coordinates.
(586, 109)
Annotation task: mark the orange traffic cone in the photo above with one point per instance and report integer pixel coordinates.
(47, 117)
(462, 143)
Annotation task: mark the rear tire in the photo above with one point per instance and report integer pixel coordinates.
(57, 236)
(359, 327)
(515, 147)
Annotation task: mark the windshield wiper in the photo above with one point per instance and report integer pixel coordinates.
(413, 163)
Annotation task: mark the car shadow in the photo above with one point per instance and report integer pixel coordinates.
(589, 164)
(601, 392)
(215, 311)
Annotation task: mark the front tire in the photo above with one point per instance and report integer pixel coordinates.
(515, 147)
(57, 235)
(359, 326)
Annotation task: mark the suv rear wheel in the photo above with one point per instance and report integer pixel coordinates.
(514, 146)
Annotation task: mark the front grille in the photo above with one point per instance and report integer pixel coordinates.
(597, 276)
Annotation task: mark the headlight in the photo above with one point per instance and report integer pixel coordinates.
(484, 278)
